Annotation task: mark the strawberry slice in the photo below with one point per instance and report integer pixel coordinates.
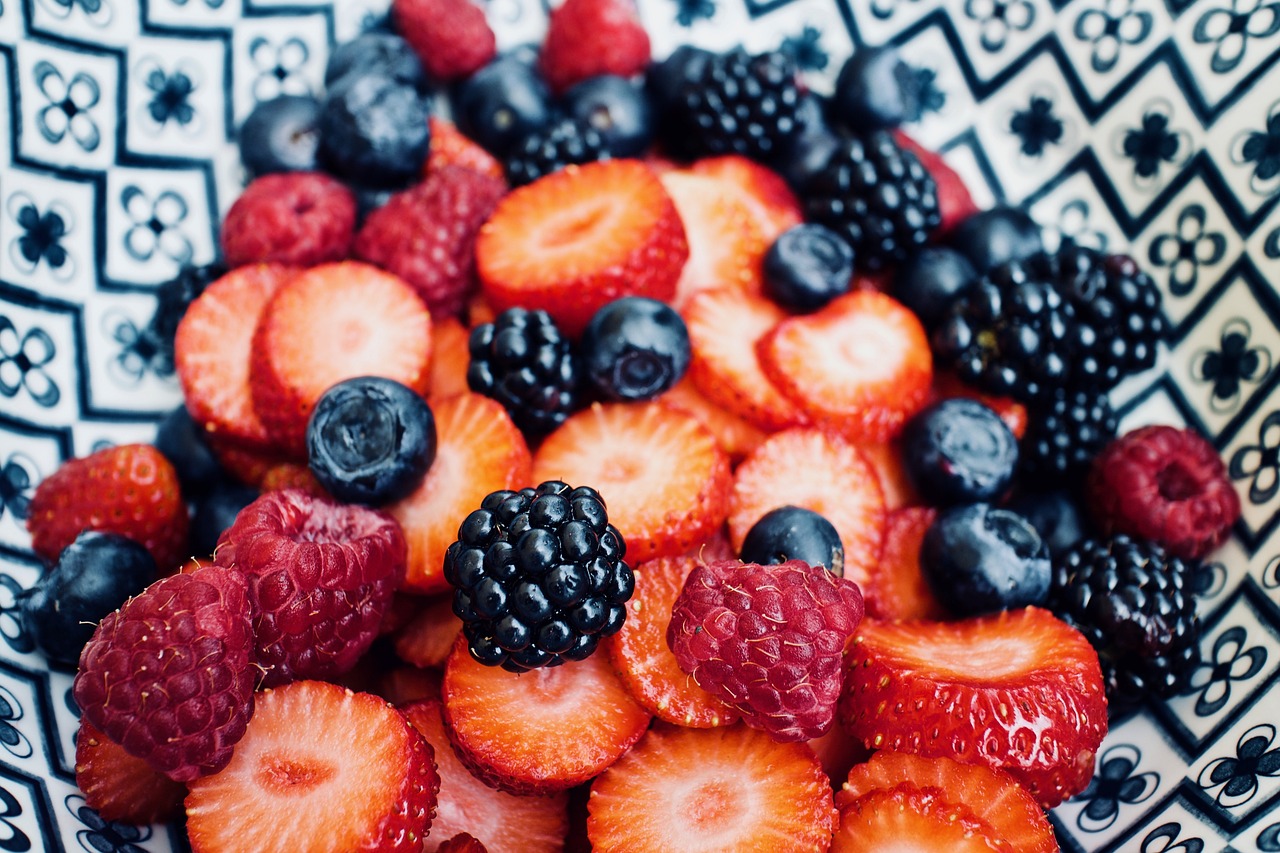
(1019, 824)
(501, 822)
(309, 747)
(861, 365)
(212, 347)
(729, 788)
(954, 202)
(451, 147)
(580, 238)
(726, 245)
(908, 819)
(541, 731)
(897, 588)
(478, 451)
(808, 468)
(449, 359)
(886, 458)
(772, 204)
(1020, 690)
(736, 436)
(724, 328)
(664, 479)
(428, 637)
(122, 787)
(640, 654)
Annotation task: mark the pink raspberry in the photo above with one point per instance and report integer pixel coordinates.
(169, 675)
(296, 218)
(767, 640)
(320, 577)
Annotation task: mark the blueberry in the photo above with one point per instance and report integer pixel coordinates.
(501, 103)
(376, 51)
(94, 575)
(373, 129)
(928, 282)
(794, 533)
(617, 109)
(995, 236)
(182, 442)
(810, 149)
(281, 135)
(876, 90)
(806, 267)
(959, 451)
(370, 440)
(978, 559)
(215, 512)
(664, 79)
(1056, 515)
(635, 348)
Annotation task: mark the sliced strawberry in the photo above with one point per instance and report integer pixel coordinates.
(729, 788)
(478, 451)
(911, 820)
(640, 654)
(773, 205)
(451, 147)
(428, 637)
(724, 327)
(726, 245)
(861, 365)
(1020, 690)
(502, 822)
(736, 436)
(211, 352)
(808, 468)
(330, 323)
(401, 685)
(1019, 824)
(309, 748)
(579, 238)
(541, 731)
(664, 479)
(886, 458)
(897, 588)
(449, 359)
(954, 202)
(1013, 413)
(119, 786)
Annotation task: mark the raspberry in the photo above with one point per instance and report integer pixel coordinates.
(169, 675)
(297, 218)
(427, 234)
(320, 577)
(1164, 484)
(451, 37)
(587, 38)
(767, 640)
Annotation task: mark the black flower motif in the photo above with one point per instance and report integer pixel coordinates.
(1232, 363)
(1271, 573)
(1260, 461)
(170, 99)
(1073, 226)
(12, 627)
(140, 351)
(69, 102)
(1113, 784)
(1230, 661)
(102, 836)
(212, 4)
(885, 9)
(43, 233)
(1261, 150)
(1110, 28)
(998, 19)
(1269, 839)
(18, 477)
(689, 12)
(1229, 30)
(1237, 778)
(1036, 126)
(278, 67)
(22, 362)
(98, 12)
(10, 809)
(1271, 248)
(156, 225)
(14, 741)
(932, 98)
(806, 49)
(1152, 144)
(1188, 248)
(1164, 839)
(1207, 580)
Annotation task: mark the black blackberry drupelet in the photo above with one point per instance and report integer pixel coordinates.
(523, 361)
(538, 576)
(551, 148)
(1065, 432)
(1133, 603)
(878, 197)
(736, 103)
(172, 299)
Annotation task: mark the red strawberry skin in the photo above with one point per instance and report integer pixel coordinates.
(130, 489)
(320, 576)
(587, 38)
(120, 786)
(451, 37)
(169, 675)
(295, 218)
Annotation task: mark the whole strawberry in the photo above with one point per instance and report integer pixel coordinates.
(768, 641)
(169, 676)
(131, 490)
(587, 38)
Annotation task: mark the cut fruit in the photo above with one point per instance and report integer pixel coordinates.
(908, 819)
(726, 246)
(897, 588)
(736, 436)
(449, 359)
(772, 204)
(120, 786)
(428, 637)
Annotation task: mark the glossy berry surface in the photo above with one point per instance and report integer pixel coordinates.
(564, 142)
(634, 348)
(959, 451)
(615, 108)
(737, 103)
(978, 559)
(373, 129)
(1065, 432)
(794, 533)
(374, 51)
(523, 361)
(806, 267)
(996, 236)
(876, 90)
(502, 103)
(94, 575)
(538, 576)
(182, 441)
(281, 135)
(930, 280)
(807, 152)
(1057, 515)
(370, 440)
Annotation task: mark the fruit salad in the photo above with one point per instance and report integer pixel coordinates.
(628, 455)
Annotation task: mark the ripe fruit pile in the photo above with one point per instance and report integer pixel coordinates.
(537, 475)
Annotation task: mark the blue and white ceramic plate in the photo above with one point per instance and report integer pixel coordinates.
(1147, 126)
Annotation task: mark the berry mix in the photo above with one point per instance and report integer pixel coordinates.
(660, 457)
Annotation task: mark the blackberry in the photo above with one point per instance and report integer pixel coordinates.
(736, 103)
(172, 299)
(877, 196)
(538, 576)
(523, 361)
(1066, 433)
(1133, 602)
(551, 148)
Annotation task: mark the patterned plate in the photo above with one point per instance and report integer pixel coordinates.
(1150, 126)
